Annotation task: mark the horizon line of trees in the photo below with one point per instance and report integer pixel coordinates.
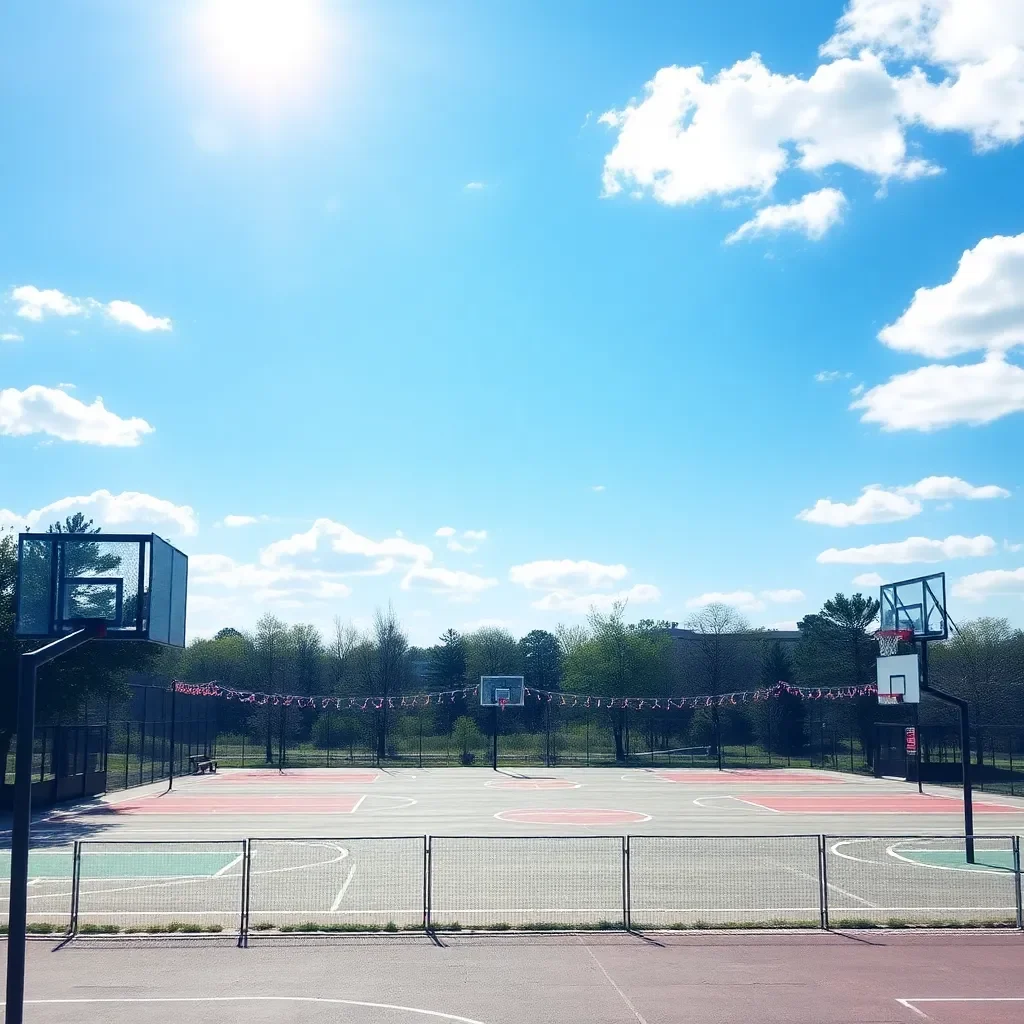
(604, 656)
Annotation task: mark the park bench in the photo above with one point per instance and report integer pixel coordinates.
(201, 763)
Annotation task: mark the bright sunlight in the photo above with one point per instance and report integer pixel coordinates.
(269, 50)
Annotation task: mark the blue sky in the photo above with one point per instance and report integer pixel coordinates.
(603, 290)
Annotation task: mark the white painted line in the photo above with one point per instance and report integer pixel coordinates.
(910, 1006)
(754, 803)
(814, 878)
(622, 995)
(254, 999)
(341, 891)
(227, 867)
(909, 1003)
(891, 851)
(355, 806)
(849, 856)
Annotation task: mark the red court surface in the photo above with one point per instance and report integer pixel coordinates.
(748, 775)
(192, 802)
(883, 803)
(572, 816)
(533, 784)
(339, 777)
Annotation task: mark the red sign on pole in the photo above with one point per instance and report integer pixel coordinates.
(911, 739)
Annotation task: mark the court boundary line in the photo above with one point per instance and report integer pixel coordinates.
(908, 1002)
(342, 891)
(253, 999)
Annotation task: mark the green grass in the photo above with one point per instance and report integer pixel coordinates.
(40, 928)
(921, 922)
(701, 925)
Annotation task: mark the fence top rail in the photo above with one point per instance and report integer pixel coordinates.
(160, 842)
(471, 836)
(329, 839)
(918, 835)
(632, 837)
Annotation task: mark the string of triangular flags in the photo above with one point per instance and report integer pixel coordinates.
(555, 697)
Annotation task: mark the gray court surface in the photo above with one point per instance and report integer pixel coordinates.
(349, 850)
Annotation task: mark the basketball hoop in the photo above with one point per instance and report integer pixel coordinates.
(889, 641)
(890, 698)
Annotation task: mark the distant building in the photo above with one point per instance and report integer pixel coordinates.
(783, 636)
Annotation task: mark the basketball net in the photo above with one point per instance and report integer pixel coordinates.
(502, 703)
(889, 640)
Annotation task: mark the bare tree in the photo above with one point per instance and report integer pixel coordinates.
(268, 644)
(391, 645)
(340, 661)
(716, 655)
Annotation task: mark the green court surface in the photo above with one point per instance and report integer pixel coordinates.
(985, 860)
(137, 864)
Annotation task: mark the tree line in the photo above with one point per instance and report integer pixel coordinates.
(606, 656)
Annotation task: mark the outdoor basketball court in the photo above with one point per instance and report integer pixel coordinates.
(347, 850)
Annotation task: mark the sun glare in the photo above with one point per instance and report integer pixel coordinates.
(266, 49)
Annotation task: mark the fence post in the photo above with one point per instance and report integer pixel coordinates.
(1015, 842)
(823, 880)
(427, 881)
(627, 903)
(76, 875)
(243, 921)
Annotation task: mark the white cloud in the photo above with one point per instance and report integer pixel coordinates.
(992, 583)
(811, 215)
(980, 308)
(34, 303)
(454, 583)
(119, 511)
(783, 596)
(64, 386)
(264, 583)
(598, 488)
(875, 505)
(579, 604)
(344, 541)
(11, 336)
(856, 390)
(42, 410)
(745, 600)
(976, 45)
(445, 531)
(733, 133)
(1008, 546)
(913, 549)
(690, 138)
(474, 186)
(471, 540)
(565, 574)
(943, 488)
(135, 316)
(933, 397)
(868, 579)
(233, 522)
(827, 376)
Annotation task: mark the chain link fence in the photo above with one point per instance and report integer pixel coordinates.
(248, 888)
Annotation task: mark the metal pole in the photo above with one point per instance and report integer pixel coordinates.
(170, 777)
(917, 746)
(965, 750)
(494, 739)
(21, 823)
(823, 879)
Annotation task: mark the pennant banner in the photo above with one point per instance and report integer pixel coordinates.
(568, 700)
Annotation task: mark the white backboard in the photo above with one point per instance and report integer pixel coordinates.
(900, 675)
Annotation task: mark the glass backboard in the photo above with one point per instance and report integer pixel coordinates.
(136, 584)
(502, 690)
(918, 605)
